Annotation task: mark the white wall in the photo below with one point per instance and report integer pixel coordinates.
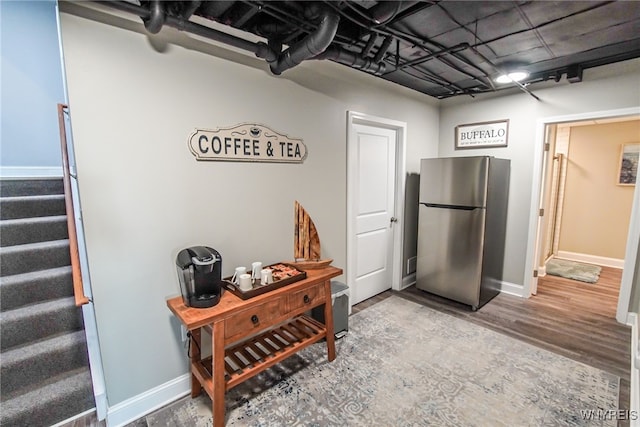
(605, 88)
(134, 100)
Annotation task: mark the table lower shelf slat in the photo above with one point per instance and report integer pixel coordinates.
(246, 359)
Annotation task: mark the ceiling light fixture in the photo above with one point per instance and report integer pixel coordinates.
(512, 76)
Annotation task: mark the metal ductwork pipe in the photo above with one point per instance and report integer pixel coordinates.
(312, 45)
(157, 18)
(352, 59)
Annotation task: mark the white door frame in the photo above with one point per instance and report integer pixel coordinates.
(633, 237)
(398, 228)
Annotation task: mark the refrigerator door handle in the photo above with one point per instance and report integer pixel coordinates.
(462, 208)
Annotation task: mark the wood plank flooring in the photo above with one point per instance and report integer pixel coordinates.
(574, 319)
(567, 317)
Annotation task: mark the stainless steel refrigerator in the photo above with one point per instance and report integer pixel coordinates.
(461, 227)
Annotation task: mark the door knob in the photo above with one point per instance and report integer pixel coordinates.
(393, 219)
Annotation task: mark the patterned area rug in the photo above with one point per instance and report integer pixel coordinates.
(403, 364)
(588, 273)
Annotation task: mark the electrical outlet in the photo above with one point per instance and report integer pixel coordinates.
(183, 333)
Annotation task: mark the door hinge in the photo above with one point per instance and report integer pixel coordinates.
(547, 146)
(535, 273)
(541, 213)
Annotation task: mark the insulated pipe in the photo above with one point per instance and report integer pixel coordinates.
(352, 59)
(311, 46)
(261, 50)
(372, 40)
(385, 11)
(191, 8)
(154, 23)
(383, 49)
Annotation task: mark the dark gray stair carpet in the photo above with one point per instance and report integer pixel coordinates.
(44, 366)
(32, 206)
(35, 363)
(69, 394)
(37, 321)
(30, 230)
(29, 288)
(34, 256)
(30, 187)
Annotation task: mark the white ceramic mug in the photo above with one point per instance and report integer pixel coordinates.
(236, 276)
(266, 276)
(244, 282)
(256, 268)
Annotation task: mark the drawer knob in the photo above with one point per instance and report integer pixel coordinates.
(254, 319)
(306, 299)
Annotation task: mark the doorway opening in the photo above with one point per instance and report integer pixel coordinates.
(581, 214)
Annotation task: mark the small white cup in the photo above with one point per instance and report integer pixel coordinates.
(244, 282)
(256, 268)
(236, 276)
(266, 276)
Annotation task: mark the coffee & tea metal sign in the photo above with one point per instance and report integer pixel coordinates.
(247, 142)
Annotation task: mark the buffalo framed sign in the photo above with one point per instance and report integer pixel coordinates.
(246, 142)
(482, 135)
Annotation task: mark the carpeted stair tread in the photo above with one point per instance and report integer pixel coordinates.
(31, 187)
(44, 364)
(38, 321)
(32, 206)
(70, 394)
(29, 257)
(28, 288)
(40, 361)
(30, 230)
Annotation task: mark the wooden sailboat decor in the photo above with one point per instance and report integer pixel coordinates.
(306, 242)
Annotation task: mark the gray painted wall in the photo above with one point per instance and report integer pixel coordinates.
(31, 86)
(134, 100)
(607, 88)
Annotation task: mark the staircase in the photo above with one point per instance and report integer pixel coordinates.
(44, 367)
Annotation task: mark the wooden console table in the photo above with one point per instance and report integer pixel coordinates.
(249, 336)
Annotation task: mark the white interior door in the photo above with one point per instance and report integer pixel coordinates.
(374, 210)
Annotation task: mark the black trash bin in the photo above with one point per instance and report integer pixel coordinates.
(340, 303)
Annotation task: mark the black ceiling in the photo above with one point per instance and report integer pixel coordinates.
(440, 48)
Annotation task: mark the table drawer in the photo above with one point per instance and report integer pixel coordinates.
(253, 319)
(308, 297)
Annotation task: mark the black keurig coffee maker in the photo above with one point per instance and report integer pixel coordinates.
(200, 274)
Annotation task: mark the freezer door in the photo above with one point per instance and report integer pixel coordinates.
(454, 181)
(450, 243)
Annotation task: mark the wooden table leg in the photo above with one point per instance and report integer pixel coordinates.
(328, 322)
(217, 351)
(194, 350)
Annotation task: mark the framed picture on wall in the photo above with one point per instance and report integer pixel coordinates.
(628, 166)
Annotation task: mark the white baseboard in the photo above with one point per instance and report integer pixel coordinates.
(147, 402)
(592, 259)
(512, 289)
(634, 407)
(21, 172)
(408, 281)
